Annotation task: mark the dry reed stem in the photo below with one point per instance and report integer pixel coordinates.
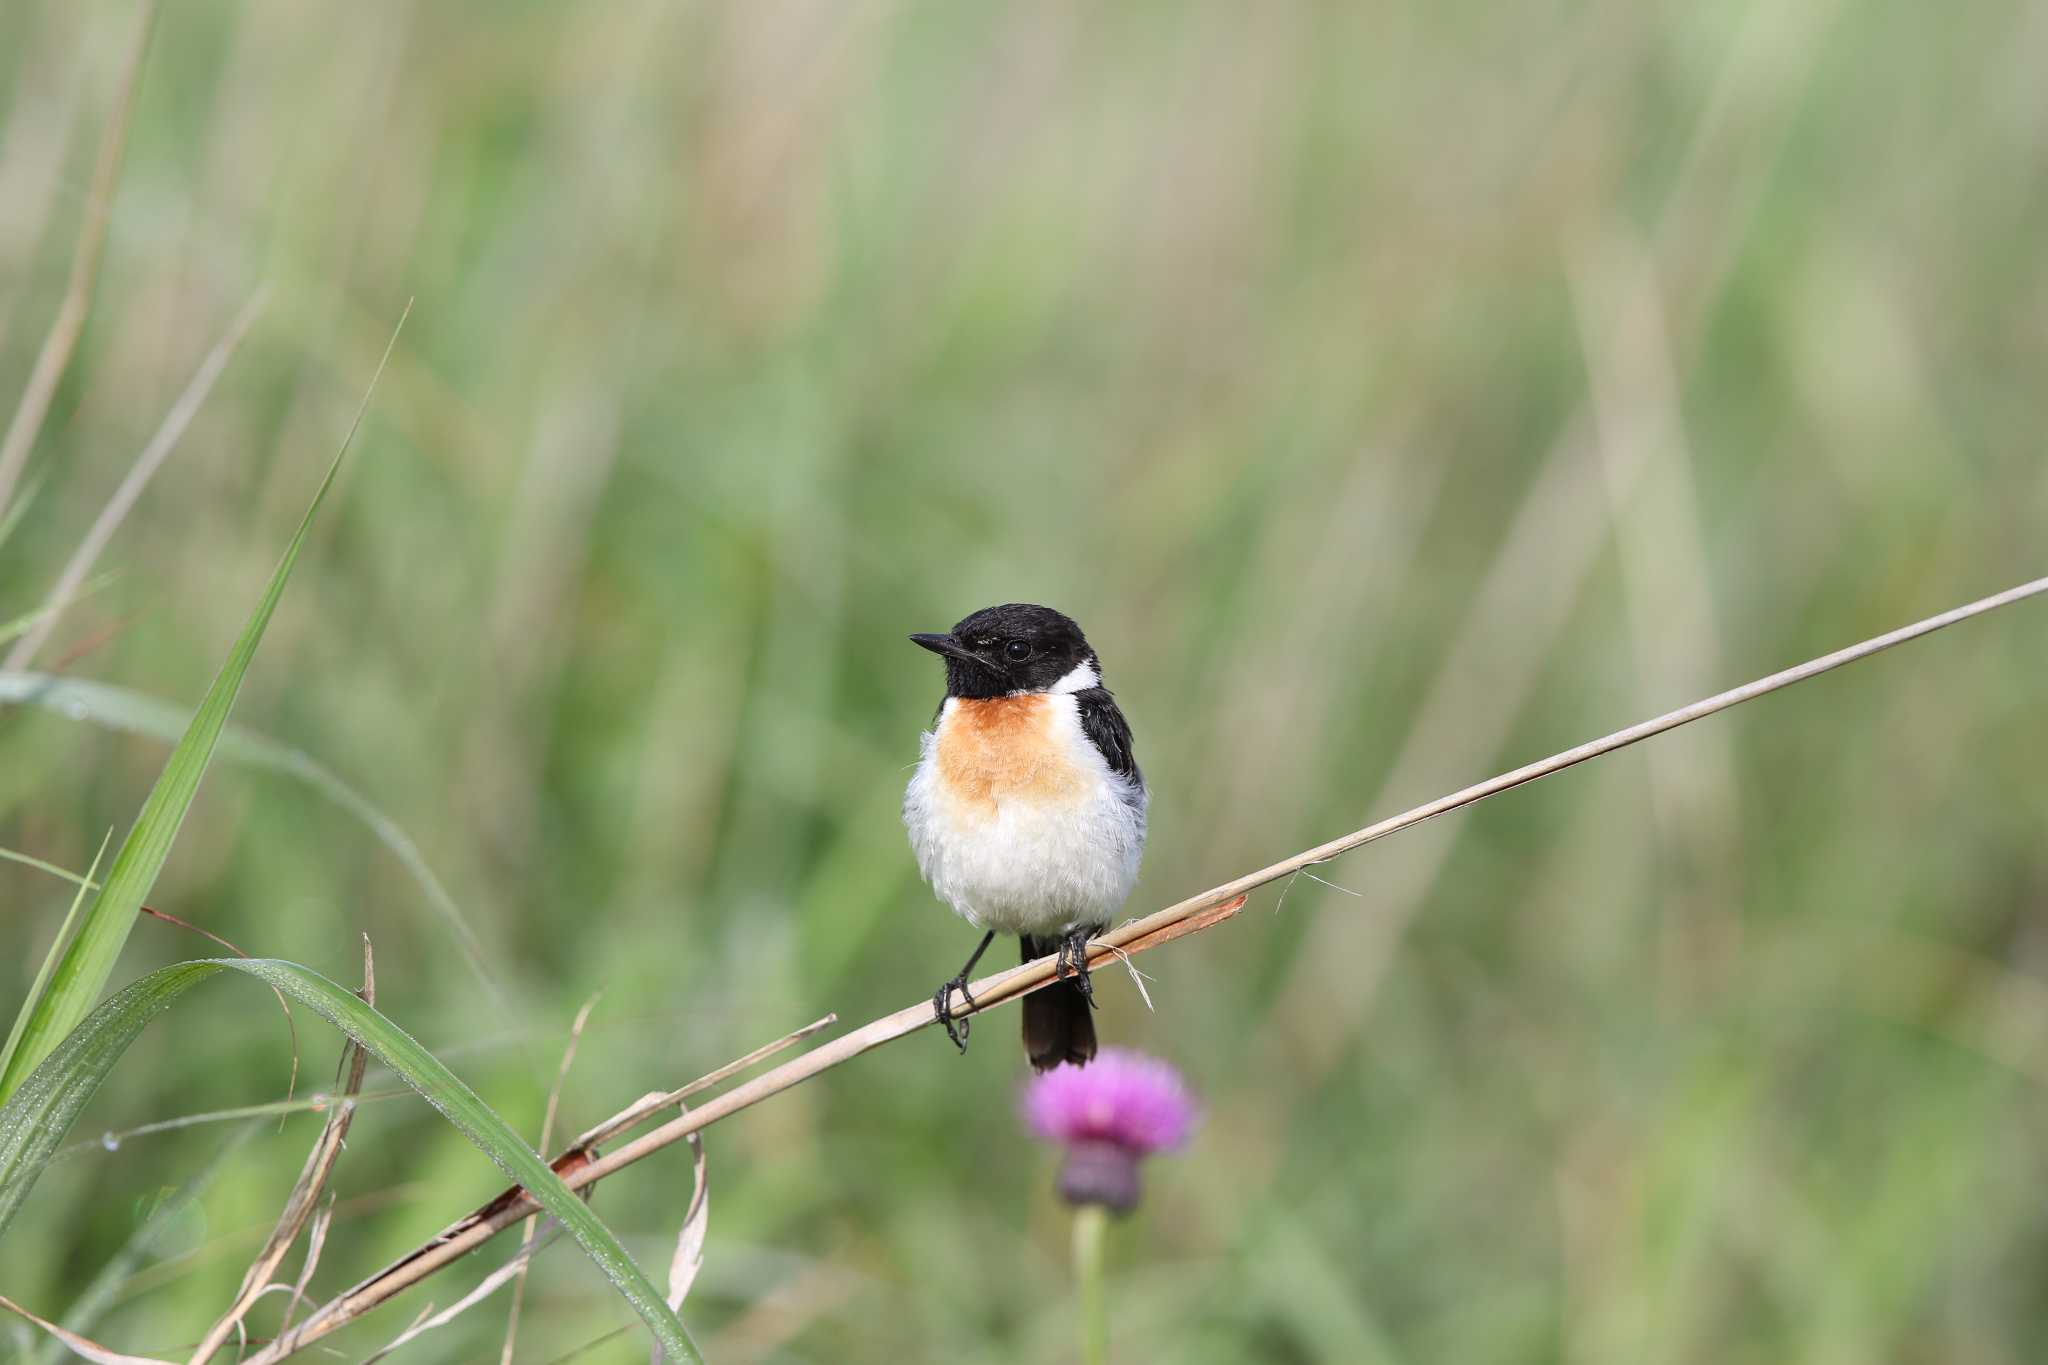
(655, 1101)
(580, 1168)
(62, 338)
(547, 1137)
(305, 1195)
(688, 1257)
(78, 1345)
(428, 1319)
(316, 1241)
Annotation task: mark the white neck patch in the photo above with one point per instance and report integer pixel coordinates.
(1080, 679)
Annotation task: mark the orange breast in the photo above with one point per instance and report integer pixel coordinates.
(1004, 749)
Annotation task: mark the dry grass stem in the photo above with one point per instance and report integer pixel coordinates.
(79, 1346)
(547, 1137)
(428, 1320)
(581, 1167)
(305, 1195)
(62, 338)
(689, 1253)
(316, 1241)
(654, 1102)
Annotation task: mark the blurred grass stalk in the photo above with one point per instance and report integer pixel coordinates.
(62, 339)
(153, 455)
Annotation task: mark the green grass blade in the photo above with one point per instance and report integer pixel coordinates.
(89, 958)
(8, 855)
(36, 1117)
(43, 1107)
(137, 713)
(19, 511)
(28, 621)
(42, 981)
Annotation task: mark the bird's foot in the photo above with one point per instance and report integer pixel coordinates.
(1073, 961)
(942, 1006)
(942, 999)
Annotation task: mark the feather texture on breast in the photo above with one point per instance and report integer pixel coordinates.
(1018, 821)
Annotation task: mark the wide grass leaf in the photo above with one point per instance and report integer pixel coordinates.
(50, 959)
(90, 956)
(36, 1117)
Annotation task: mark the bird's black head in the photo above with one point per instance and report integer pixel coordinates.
(1012, 648)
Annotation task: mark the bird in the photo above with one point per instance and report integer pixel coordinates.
(1027, 810)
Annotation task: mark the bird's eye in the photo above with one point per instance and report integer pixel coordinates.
(1017, 651)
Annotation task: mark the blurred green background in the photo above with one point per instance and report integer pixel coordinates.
(1396, 392)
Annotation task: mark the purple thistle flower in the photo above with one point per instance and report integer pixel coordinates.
(1109, 1115)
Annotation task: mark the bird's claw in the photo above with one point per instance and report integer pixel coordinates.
(942, 1006)
(1073, 961)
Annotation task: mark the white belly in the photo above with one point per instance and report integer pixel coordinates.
(1016, 820)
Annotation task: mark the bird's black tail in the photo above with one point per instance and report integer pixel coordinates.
(1059, 1024)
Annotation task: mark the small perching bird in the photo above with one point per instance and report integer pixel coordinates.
(1027, 812)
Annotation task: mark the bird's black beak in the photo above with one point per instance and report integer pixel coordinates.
(946, 645)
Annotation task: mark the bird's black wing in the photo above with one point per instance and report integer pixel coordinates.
(1108, 731)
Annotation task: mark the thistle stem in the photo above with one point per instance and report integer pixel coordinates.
(1091, 1221)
